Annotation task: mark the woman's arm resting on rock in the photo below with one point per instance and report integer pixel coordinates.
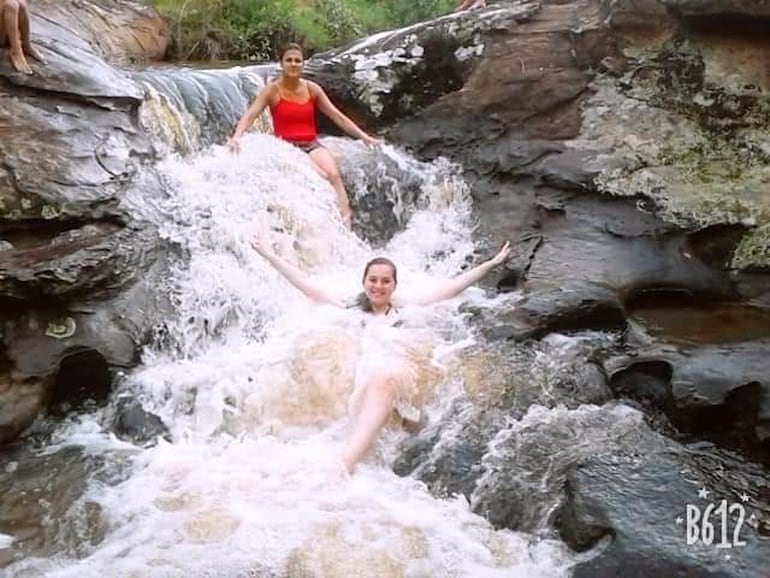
(338, 117)
(251, 114)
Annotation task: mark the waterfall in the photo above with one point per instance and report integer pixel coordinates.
(252, 381)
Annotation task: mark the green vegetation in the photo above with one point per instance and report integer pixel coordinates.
(256, 29)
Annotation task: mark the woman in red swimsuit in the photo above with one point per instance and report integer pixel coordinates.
(293, 101)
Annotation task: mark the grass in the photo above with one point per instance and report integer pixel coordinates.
(256, 29)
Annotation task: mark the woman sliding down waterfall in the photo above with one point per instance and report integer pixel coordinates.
(293, 103)
(385, 374)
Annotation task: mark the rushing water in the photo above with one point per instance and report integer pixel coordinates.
(252, 382)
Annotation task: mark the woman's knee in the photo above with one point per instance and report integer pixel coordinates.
(326, 162)
(382, 385)
(13, 6)
(333, 174)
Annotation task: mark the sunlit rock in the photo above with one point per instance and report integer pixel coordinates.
(395, 74)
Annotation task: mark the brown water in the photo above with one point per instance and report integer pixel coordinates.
(704, 323)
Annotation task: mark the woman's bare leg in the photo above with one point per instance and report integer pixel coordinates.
(373, 412)
(26, 41)
(3, 33)
(11, 27)
(328, 165)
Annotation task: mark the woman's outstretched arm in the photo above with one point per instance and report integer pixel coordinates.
(338, 117)
(251, 114)
(458, 284)
(295, 276)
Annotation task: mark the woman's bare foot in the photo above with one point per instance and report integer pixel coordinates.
(20, 63)
(413, 426)
(33, 52)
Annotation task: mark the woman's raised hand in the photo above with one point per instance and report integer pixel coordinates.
(502, 255)
(259, 246)
(234, 145)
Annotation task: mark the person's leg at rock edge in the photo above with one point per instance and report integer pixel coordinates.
(325, 161)
(26, 40)
(12, 36)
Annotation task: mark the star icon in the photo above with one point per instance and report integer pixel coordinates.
(703, 493)
(679, 520)
(744, 497)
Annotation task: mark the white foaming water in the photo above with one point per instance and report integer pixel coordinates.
(253, 385)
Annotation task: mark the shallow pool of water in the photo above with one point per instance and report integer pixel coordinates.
(704, 323)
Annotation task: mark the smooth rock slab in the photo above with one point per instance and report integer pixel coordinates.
(574, 306)
(635, 500)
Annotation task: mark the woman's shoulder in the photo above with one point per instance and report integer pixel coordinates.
(272, 90)
(313, 88)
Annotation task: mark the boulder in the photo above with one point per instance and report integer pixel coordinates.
(633, 509)
(716, 391)
(571, 307)
(76, 264)
(43, 504)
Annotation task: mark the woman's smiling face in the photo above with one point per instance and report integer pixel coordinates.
(379, 284)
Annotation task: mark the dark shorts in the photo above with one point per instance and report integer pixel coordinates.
(308, 147)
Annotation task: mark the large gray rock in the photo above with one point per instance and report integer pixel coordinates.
(74, 263)
(719, 391)
(648, 537)
(397, 73)
(43, 505)
(571, 307)
(503, 381)
(615, 96)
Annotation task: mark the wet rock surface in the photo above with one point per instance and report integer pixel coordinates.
(718, 392)
(383, 194)
(571, 307)
(648, 537)
(43, 505)
(448, 455)
(135, 424)
(49, 350)
(74, 263)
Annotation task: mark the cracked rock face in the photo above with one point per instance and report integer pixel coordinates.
(626, 98)
(394, 74)
(72, 258)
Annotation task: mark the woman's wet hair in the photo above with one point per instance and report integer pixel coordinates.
(361, 302)
(292, 46)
